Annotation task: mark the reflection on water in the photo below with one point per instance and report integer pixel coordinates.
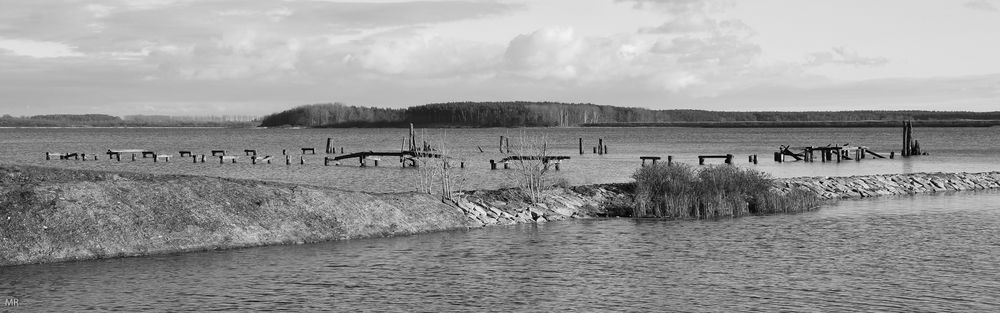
(952, 150)
(935, 253)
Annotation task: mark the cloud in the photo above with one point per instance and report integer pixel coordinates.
(843, 56)
(982, 5)
(38, 49)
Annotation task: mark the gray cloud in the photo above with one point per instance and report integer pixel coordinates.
(841, 55)
(983, 5)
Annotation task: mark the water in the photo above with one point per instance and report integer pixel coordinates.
(951, 150)
(931, 253)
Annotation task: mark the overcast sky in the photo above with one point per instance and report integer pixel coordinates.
(184, 57)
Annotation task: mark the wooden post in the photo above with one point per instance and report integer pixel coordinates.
(329, 141)
(501, 144)
(413, 143)
(154, 158)
(701, 160)
(288, 160)
(595, 150)
(194, 158)
(221, 159)
(600, 146)
(461, 164)
(302, 160)
(493, 164)
(47, 157)
(506, 165)
(906, 140)
(581, 145)
(283, 152)
(133, 157)
(729, 159)
(605, 149)
(670, 160)
(557, 166)
(253, 160)
(892, 154)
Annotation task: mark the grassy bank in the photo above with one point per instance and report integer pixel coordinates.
(49, 214)
(681, 191)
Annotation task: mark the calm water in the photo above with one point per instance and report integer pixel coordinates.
(928, 253)
(952, 150)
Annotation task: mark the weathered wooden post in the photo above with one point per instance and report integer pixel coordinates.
(906, 139)
(501, 144)
(47, 157)
(302, 160)
(222, 159)
(154, 158)
(701, 160)
(288, 160)
(461, 164)
(605, 149)
(581, 145)
(729, 159)
(595, 150)
(283, 152)
(600, 146)
(892, 155)
(194, 159)
(329, 141)
(493, 164)
(670, 160)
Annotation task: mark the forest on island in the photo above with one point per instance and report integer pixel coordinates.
(104, 120)
(554, 114)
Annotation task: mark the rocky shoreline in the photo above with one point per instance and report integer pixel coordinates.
(51, 215)
(890, 184)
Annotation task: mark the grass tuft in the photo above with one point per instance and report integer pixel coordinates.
(681, 191)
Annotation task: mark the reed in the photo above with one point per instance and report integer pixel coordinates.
(681, 191)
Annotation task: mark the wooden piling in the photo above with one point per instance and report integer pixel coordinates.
(670, 160)
(288, 160)
(329, 142)
(600, 146)
(581, 145)
(493, 164)
(302, 160)
(501, 144)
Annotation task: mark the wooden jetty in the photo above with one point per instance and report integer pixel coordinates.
(117, 154)
(828, 153)
(376, 156)
(651, 158)
(728, 158)
(554, 159)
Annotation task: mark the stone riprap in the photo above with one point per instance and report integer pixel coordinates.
(890, 184)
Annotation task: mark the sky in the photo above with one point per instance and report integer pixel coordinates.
(254, 57)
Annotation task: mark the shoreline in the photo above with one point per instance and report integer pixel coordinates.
(53, 215)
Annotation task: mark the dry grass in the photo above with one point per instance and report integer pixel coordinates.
(52, 214)
(680, 191)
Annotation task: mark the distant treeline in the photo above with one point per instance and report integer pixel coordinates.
(103, 120)
(549, 114)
